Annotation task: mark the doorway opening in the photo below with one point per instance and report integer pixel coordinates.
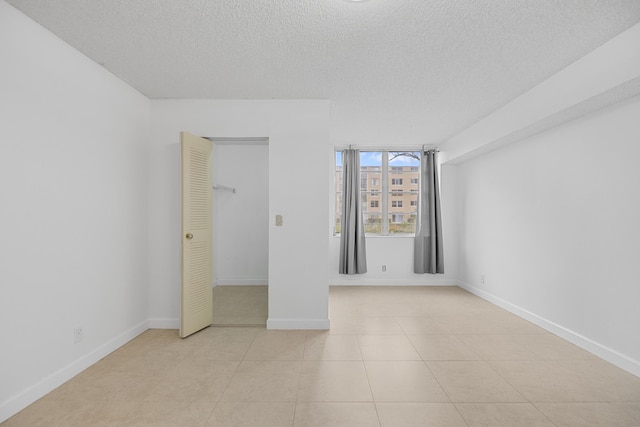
(240, 176)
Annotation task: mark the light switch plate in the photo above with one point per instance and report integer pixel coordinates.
(278, 220)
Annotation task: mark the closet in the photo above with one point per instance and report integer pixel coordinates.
(240, 177)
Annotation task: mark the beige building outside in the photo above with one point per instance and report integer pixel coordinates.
(389, 197)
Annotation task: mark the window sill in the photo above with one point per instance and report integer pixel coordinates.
(377, 236)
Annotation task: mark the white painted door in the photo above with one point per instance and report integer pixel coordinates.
(197, 270)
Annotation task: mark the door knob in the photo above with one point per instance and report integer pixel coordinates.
(189, 236)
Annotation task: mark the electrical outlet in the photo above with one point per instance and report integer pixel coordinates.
(78, 335)
(482, 279)
(384, 268)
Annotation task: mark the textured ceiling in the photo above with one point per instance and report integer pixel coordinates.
(404, 70)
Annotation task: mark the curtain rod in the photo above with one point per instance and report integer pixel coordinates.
(430, 147)
(373, 148)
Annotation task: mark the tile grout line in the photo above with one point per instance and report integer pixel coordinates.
(295, 407)
(443, 389)
(373, 399)
(231, 377)
(516, 389)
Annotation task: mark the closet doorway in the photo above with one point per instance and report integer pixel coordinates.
(240, 176)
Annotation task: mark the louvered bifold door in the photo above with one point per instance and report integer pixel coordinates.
(197, 293)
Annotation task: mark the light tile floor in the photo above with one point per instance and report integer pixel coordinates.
(396, 357)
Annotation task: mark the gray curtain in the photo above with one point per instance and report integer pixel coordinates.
(353, 257)
(428, 256)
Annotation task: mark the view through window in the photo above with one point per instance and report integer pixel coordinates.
(388, 191)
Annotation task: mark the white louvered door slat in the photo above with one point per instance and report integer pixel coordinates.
(197, 294)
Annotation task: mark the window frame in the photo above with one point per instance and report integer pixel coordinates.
(383, 192)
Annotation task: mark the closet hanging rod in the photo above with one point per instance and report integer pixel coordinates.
(224, 187)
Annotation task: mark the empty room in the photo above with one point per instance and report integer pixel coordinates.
(319, 213)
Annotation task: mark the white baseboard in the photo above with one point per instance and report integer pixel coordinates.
(240, 282)
(320, 324)
(271, 323)
(610, 355)
(164, 323)
(25, 398)
(386, 282)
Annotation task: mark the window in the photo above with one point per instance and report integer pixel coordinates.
(386, 211)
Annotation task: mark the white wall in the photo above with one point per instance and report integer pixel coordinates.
(298, 252)
(88, 203)
(396, 253)
(552, 221)
(73, 181)
(609, 74)
(241, 219)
